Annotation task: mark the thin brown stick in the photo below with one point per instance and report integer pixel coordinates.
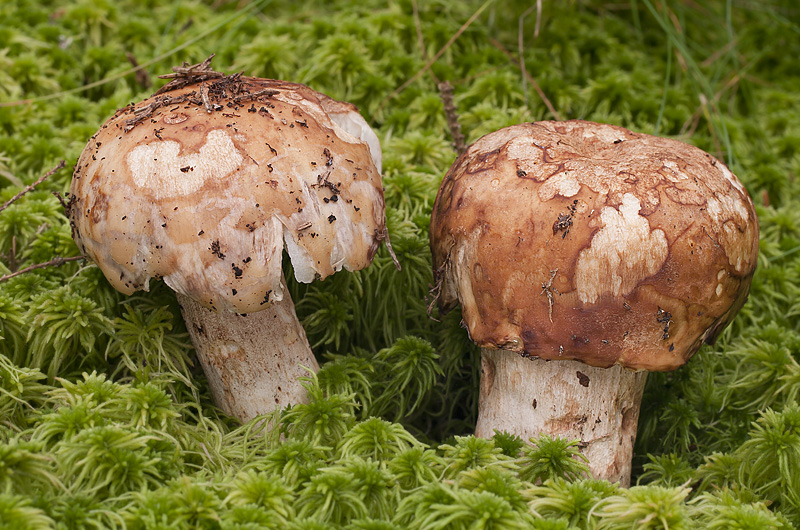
(65, 203)
(383, 235)
(141, 114)
(55, 262)
(12, 257)
(477, 75)
(420, 38)
(32, 186)
(192, 70)
(690, 126)
(704, 106)
(521, 45)
(446, 93)
(141, 75)
(267, 92)
(436, 57)
(530, 78)
(204, 96)
(189, 74)
(434, 293)
(711, 59)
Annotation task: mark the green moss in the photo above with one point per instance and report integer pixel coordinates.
(136, 442)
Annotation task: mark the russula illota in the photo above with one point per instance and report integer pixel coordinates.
(203, 185)
(584, 255)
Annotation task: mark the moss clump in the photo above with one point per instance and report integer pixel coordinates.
(103, 409)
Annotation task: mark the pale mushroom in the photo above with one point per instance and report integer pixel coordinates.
(203, 185)
(584, 255)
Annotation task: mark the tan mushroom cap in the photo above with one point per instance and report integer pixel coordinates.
(203, 186)
(576, 240)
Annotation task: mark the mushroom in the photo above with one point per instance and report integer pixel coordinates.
(584, 255)
(202, 185)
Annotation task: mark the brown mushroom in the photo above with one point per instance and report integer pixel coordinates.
(583, 255)
(203, 185)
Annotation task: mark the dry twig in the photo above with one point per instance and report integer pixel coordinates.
(141, 75)
(420, 38)
(446, 93)
(383, 235)
(32, 186)
(189, 74)
(55, 262)
(204, 97)
(521, 46)
(529, 77)
(267, 92)
(435, 58)
(141, 114)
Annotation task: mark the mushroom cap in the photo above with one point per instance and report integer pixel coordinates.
(203, 185)
(577, 240)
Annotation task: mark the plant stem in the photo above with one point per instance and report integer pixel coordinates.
(253, 362)
(569, 399)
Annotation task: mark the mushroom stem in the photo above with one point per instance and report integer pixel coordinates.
(569, 399)
(252, 362)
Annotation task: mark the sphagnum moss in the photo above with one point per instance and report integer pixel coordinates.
(643, 66)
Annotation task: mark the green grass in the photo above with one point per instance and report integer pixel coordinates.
(105, 417)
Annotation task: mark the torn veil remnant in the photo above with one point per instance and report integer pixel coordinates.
(190, 186)
(655, 243)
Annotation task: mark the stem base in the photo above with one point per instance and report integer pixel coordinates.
(569, 399)
(252, 362)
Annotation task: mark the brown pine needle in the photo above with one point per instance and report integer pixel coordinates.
(41, 179)
(529, 77)
(436, 57)
(521, 45)
(420, 37)
(189, 74)
(446, 93)
(141, 75)
(384, 236)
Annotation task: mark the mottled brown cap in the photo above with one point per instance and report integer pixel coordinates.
(577, 240)
(204, 185)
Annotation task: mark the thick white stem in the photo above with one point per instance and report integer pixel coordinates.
(252, 362)
(568, 399)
